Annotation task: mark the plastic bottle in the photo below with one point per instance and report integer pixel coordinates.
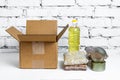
(74, 37)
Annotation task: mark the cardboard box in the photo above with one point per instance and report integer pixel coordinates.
(38, 47)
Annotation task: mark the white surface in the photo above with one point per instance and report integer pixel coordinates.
(9, 70)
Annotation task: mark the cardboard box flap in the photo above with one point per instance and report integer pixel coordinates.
(14, 32)
(62, 32)
(37, 37)
(41, 27)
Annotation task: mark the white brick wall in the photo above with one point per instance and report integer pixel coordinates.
(11, 42)
(43, 12)
(2, 2)
(10, 12)
(98, 20)
(63, 42)
(57, 2)
(61, 11)
(3, 22)
(106, 11)
(17, 22)
(1, 42)
(3, 32)
(93, 2)
(105, 32)
(115, 41)
(97, 41)
(23, 2)
(76, 11)
(116, 2)
(116, 21)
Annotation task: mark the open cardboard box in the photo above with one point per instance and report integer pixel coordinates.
(38, 47)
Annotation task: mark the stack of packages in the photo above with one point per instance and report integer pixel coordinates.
(74, 59)
(96, 57)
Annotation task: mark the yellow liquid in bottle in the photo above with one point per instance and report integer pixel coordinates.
(74, 39)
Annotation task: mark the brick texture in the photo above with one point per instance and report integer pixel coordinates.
(93, 2)
(105, 11)
(77, 11)
(43, 12)
(115, 41)
(1, 42)
(98, 20)
(58, 2)
(17, 22)
(3, 21)
(3, 32)
(105, 32)
(98, 41)
(10, 12)
(2, 2)
(116, 2)
(116, 21)
(23, 2)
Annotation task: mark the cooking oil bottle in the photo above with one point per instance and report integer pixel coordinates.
(74, 37)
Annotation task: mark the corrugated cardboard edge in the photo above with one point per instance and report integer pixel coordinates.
(14, 32)
(62, 32)
(37, 37)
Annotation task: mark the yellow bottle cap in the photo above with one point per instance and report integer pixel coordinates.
(74, 20)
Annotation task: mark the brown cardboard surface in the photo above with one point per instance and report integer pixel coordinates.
(13, 32)
(48, 60)
(35, 37)
(38, 47)
(62, 32)
(43, 54)
(41, 27)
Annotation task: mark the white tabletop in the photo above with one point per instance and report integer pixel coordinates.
(9, 70)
